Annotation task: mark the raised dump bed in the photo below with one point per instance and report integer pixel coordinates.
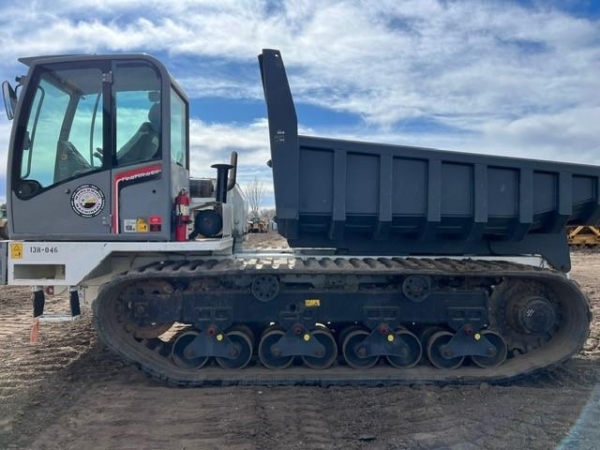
(366, 198)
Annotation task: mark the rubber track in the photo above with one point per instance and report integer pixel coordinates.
(566, 342)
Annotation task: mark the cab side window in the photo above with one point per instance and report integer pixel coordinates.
(138, 109)
(179, 131)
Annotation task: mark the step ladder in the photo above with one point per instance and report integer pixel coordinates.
(39, 301)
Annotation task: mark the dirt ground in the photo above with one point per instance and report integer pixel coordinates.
(68, 392)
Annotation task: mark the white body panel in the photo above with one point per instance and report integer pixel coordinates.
(88, 265)
(72, 263)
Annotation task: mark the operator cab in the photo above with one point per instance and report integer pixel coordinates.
(100, 144)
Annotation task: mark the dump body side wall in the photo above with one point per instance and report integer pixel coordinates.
(382, 190)
(371, 198)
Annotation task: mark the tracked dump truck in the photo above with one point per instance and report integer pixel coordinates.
(407, 265)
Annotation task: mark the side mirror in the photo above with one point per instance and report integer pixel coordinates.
(10, 99)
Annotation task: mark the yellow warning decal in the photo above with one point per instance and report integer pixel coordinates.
(312, 302)
(141, 225)
(16, 250)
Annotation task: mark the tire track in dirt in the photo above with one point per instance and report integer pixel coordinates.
(456, 417)
(144, 415)
(24, 366)
(580, 373)
(13, 322)
(295, 418)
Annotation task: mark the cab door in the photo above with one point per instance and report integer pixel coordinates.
(60, 172)
(141, 198)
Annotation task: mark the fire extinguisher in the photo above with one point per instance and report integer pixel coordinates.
(182, 215)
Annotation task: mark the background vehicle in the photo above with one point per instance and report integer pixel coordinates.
(256, 225)
(409, 264)
(582, 236)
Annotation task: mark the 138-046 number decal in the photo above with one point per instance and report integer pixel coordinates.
(16, 250)
(39, 249)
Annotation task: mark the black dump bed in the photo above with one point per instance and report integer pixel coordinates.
(365, 198)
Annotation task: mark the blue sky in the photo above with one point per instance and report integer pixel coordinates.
(496, 77)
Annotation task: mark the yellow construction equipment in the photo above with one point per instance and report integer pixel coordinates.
(583, 236)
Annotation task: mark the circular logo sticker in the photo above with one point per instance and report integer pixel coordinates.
(87, 200)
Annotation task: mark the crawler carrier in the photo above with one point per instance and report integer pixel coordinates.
(407, 265)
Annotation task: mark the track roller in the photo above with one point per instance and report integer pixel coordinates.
(352, 355)
(269, 356)
(426, 333)
(324, 336)
(243, 343)
(410, 355)
(436, 355)
(501, 351)
(181, 355)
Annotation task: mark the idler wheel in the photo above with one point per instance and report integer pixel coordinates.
(268, 353)
(501, 351)
(242, 344)
(138, 322)
(351, 350)
(534, 315)
(413, 354)
(183, 359)
(436, 355)
(325, 360)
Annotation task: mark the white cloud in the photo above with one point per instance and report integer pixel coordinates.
(213, 143)
(496, 77)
